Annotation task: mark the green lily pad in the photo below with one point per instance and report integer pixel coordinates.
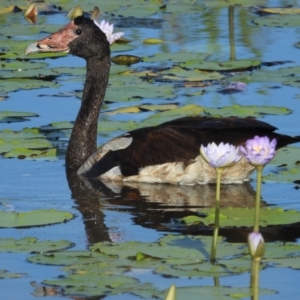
(4, 274)
(175, 57)
(14, 116)
(244, 217)
(67, 258)
(83, 284)
(278, 21)
(152, 41)
(31, 245)
(110, 126)
(14, 84)
(177, 73)
(205, 269)
(27, 143)
(130, 88)
(228, 66)
(288, 168)
(11, 219)
(174, 250)
(243, 111)
(286, 76)
(142, 108)
(186, 110)
(218, 3)
(20, 65)
(125, 59)
(215, 292)
(31, 153)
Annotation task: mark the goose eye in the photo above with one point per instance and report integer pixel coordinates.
(78, 31)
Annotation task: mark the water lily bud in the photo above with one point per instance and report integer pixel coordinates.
(222, 155)
(256, 245)
(171, 293)
(259, 150)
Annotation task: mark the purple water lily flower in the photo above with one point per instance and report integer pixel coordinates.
(256, 245)
(222, 155)
(259, 150)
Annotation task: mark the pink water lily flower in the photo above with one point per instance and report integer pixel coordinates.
(259, 150)
(108, 30)
(256, 245)
(222, 155)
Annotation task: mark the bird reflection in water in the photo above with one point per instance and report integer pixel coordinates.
(152, 205)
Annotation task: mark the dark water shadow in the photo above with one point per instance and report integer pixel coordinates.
(155, 205)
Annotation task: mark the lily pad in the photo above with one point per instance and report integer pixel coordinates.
(67, 258)
(4, 274)
(21, 65)
(109, 126)
(31, 245)
(14, 116)
(278, 10)
(177, 73)
(278, 21)
(11, 219)
(228, 66)
(31, 153)
(186, 110)
(288, 168)
(239, 217)
(175, 57)
(84, 284)
(128, 88)
(215, 292)
(14, 84)
(244, 111)
(27, 143)
(142, 108)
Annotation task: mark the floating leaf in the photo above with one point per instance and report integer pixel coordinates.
(215, 292)
(10, 219)
(31, 245)
(22, 153)
(152, 41)
(175, 57)
(67, 258)
(4, 274)
(27, 143)
(75, 284)
(278, 10)
(288, 168)
(126, 59)
(108, 126)
(228, 66)
(141, 108)
(278, 20)
(244, 111)
(244, 216)
(187, 110)
(15, 116)
(177, 73)
(9, 9)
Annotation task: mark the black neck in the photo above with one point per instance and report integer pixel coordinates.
(83, 140)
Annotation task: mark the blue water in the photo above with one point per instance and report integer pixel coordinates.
(28, 185)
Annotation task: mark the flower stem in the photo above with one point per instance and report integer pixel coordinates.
(254, 283)
(259, 170)
(217, 216)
